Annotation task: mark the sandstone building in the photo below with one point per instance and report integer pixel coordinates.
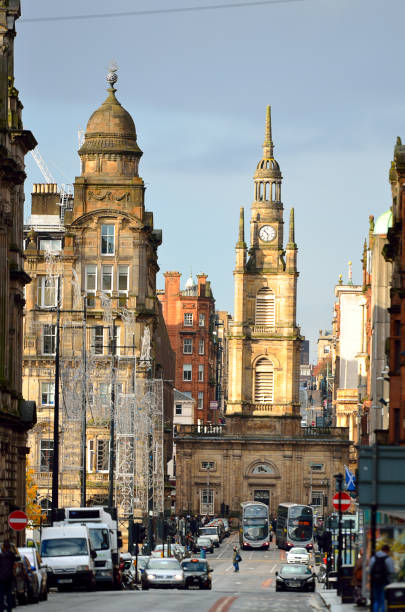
(16, 415)
(95, 255)
(261, 452)
(190, 319)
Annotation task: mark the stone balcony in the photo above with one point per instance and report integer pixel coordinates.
(206, 431)
(342, 433)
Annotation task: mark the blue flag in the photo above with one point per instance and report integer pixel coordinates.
(350, 480)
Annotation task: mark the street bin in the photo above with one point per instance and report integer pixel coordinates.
(395, 596)
(345, 587)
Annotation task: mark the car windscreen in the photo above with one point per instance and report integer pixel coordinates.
(295, 569)
(171, 564)
(209, 530)
(64, 547)
(194, 566)
(204, 541)
(99, 538)
(142, 562)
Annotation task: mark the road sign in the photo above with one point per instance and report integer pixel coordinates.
(382, 477)
(214, 405)
(345, 501)
(17, 520)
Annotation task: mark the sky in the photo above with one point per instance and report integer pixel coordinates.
(197, 84)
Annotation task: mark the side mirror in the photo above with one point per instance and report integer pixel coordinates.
(119, 542)
(313, 574)
(276, 573)
(93, 554)
(211, 569)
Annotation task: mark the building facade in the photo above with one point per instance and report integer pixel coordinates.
(16, 414)
(190, 320)
(395, 254)
(93, 258)
(261, 452)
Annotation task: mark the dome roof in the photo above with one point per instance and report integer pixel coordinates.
(383, 223)
(190, 282)
(110, 129)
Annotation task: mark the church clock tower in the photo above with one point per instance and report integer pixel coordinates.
(264, 343)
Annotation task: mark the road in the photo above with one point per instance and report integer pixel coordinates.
(252, 589)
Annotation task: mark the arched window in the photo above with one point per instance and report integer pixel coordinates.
(264, 381)
(265, 308)
(45, 504)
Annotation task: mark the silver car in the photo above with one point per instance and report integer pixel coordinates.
(163, 573)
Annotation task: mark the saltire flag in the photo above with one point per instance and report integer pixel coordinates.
(350, 480)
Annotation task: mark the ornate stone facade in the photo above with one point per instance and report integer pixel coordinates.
(100, 244)
(261, 452)
(16, 415)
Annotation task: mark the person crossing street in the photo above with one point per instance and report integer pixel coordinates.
(236, 559)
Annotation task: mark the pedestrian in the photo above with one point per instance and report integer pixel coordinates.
(7, 561)
(236, 559)
(203, 552)
(357, 580)
(381, 569)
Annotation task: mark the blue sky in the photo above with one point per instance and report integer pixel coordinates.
(197, 85)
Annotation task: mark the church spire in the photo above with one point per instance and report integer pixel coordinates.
(291, 237)
(268, 142)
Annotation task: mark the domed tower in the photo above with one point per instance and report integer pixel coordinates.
(265, 340)
(109, 160)
(110, 235)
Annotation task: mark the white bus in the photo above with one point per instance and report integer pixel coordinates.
(295, 524)
(254, 529)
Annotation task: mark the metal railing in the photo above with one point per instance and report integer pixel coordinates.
(199, 430)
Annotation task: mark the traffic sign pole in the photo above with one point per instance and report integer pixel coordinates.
(339, 482)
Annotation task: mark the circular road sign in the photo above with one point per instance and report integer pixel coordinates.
(17, 520)
(345, 501)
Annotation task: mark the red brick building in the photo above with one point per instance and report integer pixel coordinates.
(190, 319)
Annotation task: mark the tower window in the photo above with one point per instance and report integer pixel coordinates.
(265, 308)
(264, 381)
(107, 239)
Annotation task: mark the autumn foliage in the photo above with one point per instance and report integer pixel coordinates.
(32, 508)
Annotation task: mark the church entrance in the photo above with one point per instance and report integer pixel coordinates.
(262, 495)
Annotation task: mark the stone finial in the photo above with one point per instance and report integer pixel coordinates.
(112, 76)
(291, 238)
(340, 279)
(242, 225)
(371, 224)
(350, 281)
(268, 142)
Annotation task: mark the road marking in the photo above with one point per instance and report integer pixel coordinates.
(223, 604)
(229, 568)
(266, 583)
(273, 568)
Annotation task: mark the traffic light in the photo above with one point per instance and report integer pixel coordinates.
(138, 533)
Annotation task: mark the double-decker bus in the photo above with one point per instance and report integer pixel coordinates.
(254, 530)
(294, 526)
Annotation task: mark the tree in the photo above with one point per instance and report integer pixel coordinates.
(32, 508)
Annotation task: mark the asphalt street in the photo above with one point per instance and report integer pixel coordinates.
(252, 589)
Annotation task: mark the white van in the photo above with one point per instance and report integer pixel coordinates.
(67, 552)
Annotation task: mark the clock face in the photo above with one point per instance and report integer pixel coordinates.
(267, 233)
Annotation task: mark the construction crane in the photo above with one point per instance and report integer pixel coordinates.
(66, 197)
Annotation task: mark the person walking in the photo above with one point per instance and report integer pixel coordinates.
(7, 561)
(381, 569)
(236, 559)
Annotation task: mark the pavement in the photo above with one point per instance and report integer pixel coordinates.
(334, 603)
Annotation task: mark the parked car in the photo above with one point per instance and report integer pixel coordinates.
(163, 573)
(294, 577)
(298, 555)
(38, 568)
(31, 593)
(204, 542)
(197, 573)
